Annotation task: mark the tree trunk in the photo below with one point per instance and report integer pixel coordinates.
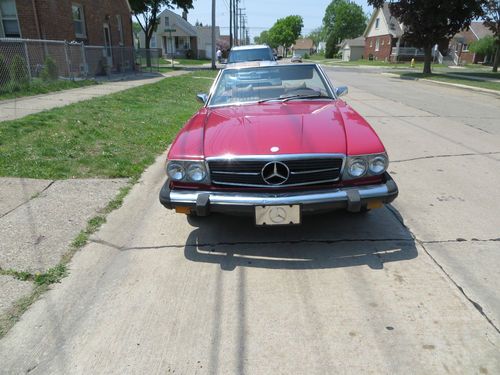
(497, 57)
(148, 52)
(427, 60)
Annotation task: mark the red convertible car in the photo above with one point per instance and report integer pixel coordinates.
(276, 142)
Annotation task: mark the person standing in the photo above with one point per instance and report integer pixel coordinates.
(219, 55)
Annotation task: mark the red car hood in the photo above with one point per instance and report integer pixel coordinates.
(308, 127)
(290, 128)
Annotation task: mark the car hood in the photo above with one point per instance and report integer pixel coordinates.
(291, 128)
(294, 127)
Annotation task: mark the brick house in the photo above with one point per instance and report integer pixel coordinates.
(101, 23)
(384, 38)
(459, 44)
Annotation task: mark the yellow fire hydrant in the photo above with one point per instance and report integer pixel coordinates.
(412, 63)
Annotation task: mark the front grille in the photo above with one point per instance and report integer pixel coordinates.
(303, 171)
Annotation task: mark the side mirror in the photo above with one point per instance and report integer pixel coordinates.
(341, 91)
(202, 98)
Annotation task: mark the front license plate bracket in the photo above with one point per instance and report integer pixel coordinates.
(277, 215)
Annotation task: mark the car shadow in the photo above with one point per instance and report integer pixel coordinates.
(334, 240)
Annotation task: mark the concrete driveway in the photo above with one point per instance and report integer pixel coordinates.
(410, 288)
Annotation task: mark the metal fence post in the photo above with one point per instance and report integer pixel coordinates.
(27, 56)
(84, 60)
(68, 66)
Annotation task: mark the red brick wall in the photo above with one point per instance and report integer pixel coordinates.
(56, 22)
(384, 52)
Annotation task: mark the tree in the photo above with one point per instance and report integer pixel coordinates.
(484, 46)
(430, 22)
(150, 10)
(343, 20)
(491, 10)
(285, 32)
(317, 35)
(263, 38)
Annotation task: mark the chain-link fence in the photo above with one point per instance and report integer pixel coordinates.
(25, 61)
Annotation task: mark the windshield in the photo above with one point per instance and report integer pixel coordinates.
(259, 84)
(255, 54)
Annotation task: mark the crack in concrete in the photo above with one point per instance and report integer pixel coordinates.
(29, 200)
(461, 240)
(216, 244)
(476, 305)
(446, 156)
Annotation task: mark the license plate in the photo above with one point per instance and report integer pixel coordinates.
(277, 215)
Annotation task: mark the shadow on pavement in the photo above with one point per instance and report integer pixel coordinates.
(333, 240)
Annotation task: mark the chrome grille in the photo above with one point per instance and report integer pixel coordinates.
(303, 171)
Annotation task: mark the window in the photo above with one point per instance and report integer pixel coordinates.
(377, 44)
(377, 23)
(120, 27)
(79, 21)
(465, 48)
(167, 22)
(371, 43)
(9, 25)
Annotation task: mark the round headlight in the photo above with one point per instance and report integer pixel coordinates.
(176, 171)
(378, 164)
(357, 168)
(196, 172)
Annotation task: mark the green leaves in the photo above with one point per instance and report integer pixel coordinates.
(343, 20)
(285, 31)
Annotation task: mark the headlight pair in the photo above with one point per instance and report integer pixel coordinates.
(365, 165)
(187, 171)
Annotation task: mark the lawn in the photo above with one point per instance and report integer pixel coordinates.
(112, 136)
(450, 79)
(39, 87)
(186, 61)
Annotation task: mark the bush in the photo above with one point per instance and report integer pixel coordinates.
(331, 46)
(189, 54)
(49, 71)
(18, 72)
(306, 56)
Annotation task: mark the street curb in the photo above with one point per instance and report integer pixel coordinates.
(458, 85)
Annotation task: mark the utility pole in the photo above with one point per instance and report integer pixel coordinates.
(230, 24)
(236, 22)
(213, 35)
(241, 25)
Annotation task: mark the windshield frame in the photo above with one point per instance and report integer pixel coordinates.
(319, 70)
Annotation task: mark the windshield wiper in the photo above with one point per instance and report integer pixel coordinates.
(292, 97)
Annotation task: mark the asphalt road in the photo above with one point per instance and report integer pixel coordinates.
(411, 288)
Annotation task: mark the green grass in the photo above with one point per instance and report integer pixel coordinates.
(477, 74)
(450, 79)
(39, 87)
(112, 136)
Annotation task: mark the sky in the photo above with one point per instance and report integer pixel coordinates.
(262, 14)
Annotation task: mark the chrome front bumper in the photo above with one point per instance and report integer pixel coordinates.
(353, 199)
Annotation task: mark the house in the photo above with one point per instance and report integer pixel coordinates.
(303, 46)
(205, 41)
(99, 23)
(352, 49)
(103, 30)
(384, 39)
(174, 35)
(459, 44)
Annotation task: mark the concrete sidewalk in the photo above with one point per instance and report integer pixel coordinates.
(16, 108)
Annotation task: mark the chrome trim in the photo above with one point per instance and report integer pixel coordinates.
(280, 157)
(238, 173)
(316, 171)
(275, 186)
(288, 198)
